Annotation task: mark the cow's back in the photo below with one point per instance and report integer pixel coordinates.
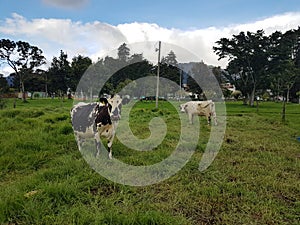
(192, 107)
(204, 107)
(82, 116)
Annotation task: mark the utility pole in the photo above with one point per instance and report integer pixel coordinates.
(180, 84)
(157, 83)
(46, 86)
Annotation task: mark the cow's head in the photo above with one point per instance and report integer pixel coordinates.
(102, 112)
(103, 103)
(116, 102)
(183, 107)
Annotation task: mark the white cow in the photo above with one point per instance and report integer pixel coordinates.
(200, 108)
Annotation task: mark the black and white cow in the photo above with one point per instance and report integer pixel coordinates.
(96, 120)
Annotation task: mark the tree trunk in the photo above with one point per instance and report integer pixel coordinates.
(246, 99)
(278, 91)
(283, 110)
(289, 87)
(23, 91)
(252, 97)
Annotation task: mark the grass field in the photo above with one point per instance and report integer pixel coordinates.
(255, 178)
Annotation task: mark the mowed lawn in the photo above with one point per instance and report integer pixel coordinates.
(255, 178)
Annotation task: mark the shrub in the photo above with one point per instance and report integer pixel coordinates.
(36, 95)
(2, 103)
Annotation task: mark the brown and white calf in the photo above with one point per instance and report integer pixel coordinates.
(200, 108)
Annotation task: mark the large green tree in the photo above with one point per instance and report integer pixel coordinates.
(36, 82)
(59, 74)
(123, 69)
(123, 52)
(169, 68)
(247, 54)
(284, 65)
(79, 65)
(284, 61)
(22, 57)
(170, 59)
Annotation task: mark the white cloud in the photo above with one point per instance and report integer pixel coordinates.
(201, 41)
(94, 39)
(6, 70)
(53, 35)
(281, 22)
(67, 4)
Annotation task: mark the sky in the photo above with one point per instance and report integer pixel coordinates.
(96, 28)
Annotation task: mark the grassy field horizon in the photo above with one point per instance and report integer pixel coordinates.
(255, 178)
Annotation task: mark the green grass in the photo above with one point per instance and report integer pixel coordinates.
(255, 178)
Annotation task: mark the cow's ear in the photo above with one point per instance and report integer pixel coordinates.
(125, 101)
(103, 101)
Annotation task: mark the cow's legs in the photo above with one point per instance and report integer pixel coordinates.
(215, 119)
(191, 118)
(98, 148)
(111, 139)
(98, 144)
(208, 120)
(79, 143)
(109, 144)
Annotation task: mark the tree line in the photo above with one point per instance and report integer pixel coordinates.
(63, 74)
(258, 64)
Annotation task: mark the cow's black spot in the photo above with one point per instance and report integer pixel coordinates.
(102, 115)
(83, 117)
